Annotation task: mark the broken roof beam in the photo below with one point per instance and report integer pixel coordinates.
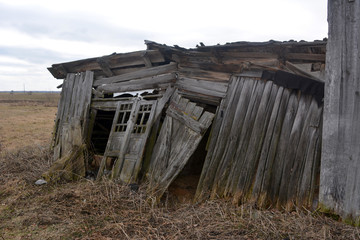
(58, 71)
(147, 60)
(147, 72)
(104, 65)
(300, 71)
(114, 61)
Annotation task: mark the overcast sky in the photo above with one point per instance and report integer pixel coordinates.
(34, 34)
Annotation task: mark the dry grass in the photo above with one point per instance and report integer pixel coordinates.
(109, 210)
(26, 119)
(48, 98)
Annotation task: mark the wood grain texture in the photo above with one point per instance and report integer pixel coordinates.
(73, 115)
(263, 141)
(139, 84)
(340, 162)
(177, 141)
(142, 73)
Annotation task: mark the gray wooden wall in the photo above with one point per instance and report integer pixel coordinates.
(73, 113)
(340, 163)
(265, 146)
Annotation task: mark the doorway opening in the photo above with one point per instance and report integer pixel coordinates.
(183, 188)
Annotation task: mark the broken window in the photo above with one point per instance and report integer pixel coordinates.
(142, 118)
(123, 117)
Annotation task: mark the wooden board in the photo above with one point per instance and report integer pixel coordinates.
(142, 73)
(113, 61)
(139, 84)
(130, 129)
(262, 146)
(183, 128)
(340, 162)
(71, 124)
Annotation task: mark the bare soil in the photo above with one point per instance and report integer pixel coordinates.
(110, 210)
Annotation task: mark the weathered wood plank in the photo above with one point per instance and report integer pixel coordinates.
(217, 146)
(268, 155)
(138, 84)
(216, 89)
(87, 90)
(234, 182)
(252, 73)
(73, 113)
(340, 160)
(143, 73)
(104, 105)
(147, 60)
(176, 143)
(194, 73)
(290, 157)
(174, 112)
(282, 147)
(235, 123)
(114, 60)
(309, 169)
(247, 55)
(104, 65)
(275, 96)
(201, 98)
(249, 63)
(161, 103)
(305, 56)
(256, 139)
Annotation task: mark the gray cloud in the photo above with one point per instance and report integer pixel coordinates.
(33, 55)
(79, 27)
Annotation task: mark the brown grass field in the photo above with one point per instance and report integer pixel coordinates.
(26, 119)
(109, 210)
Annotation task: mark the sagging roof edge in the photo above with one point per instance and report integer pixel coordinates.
(156, 53)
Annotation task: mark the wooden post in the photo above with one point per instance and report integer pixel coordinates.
(340, 163)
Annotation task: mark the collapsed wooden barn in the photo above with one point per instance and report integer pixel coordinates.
(244, 117)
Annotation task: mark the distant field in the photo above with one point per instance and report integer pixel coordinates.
(42, 98)
(26, 119)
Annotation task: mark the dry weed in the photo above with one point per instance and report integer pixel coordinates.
(110, 210)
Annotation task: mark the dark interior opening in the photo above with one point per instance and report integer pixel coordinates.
(101, 130)
(183, 188)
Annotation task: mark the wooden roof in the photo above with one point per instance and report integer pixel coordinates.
(228, 58)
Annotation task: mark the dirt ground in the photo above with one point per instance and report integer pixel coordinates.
(109, 210)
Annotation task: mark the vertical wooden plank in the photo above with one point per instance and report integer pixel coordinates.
(272, 109)
(311, 161)
(243, 135)
(176, 143)
(340, 163)
(283, 146)
(85, 112)
(273, 136)
(253, 151)
(243, 111)
(293, 144)
(72, 101)
(216, 146)
(118, 165)
(137, 166)
(161, 103)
